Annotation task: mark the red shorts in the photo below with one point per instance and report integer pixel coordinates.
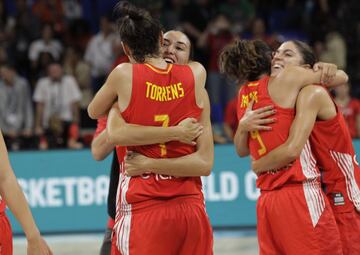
(6, 246)
(349, 227)
(296, 220)
(174, 228)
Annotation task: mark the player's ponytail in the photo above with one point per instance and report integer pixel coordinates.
(138, 30)
(245, 60)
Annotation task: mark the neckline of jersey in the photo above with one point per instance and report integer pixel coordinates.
(160, 70)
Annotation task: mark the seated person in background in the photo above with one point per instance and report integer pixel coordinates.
(16, 111)
(350, 108)
(57, 99)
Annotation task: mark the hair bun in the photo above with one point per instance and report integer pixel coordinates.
(128, 11)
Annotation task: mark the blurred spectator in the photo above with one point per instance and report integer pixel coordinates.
(57, 98)
(350, 107)
(77, 29)
(50, 12)
(335, 50)
(25, 29)
(171, 14)
(72, 9)
(45, 44)
(3, 56)
(16, 111)
(258, 31)
(221, 90)
(195, 17)
(75, 66)
(239, 12)
(99, 53)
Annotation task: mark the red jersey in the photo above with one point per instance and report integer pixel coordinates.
(160, 97)
(350, 113)
(2, 205)
(230, 114)
(262, 142)
(332, 146)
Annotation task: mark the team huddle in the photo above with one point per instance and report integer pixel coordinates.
(156, 116)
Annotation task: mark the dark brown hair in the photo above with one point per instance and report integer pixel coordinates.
(245, 60)
(306, 52)
(138, 30)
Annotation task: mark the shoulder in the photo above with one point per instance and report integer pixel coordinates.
(313, 93)
(313, 90)
(122, 69)
(120, 74)
(197, 68)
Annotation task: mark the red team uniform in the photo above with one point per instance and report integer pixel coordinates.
(350, 113)
(160, 214)
(332, 146)
(293, 214)
(5, 231)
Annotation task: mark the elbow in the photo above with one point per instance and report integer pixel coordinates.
(206, 167)
(346, 77)
(91, 112)
(242, 152)
(117, 137)
(293, 152)
(97, 155)
(113, 137)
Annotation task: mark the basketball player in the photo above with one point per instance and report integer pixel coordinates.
(176, 49)
(320, 120)
(155, 207)
(293, 215)
(12, 194)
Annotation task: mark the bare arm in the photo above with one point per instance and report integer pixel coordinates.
(198, 163)
(329, 76)
(308, 106)
(15, 200)
(106, 96)
(125, 134)
(101, 147)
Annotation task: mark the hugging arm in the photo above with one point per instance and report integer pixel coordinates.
(126, 134)
(307, 107)
(252, 120)
(198, 163)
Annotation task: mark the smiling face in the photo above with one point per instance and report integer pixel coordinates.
(176, 47)
(287, 54)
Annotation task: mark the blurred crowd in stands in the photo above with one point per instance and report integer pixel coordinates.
(55, 54)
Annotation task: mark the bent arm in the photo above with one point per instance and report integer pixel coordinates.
(307, 108)
(306, 76)
(241, 141)
(125, 134)
(107, 94)
(198, 163)
(101, 147)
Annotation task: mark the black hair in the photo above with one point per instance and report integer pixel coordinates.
(139, 31)
(307, 54)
